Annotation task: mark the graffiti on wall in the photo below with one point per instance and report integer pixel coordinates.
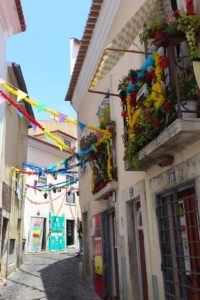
(35, 236)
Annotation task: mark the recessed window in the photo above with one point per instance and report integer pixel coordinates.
(70, 198)
(42, 180)
(68, 143)
(11, 246)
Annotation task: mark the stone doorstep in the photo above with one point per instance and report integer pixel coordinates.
(110, 187)
(176, 137)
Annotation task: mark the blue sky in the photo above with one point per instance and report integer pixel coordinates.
(43, 49)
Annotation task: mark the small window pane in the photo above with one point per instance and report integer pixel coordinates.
(70, 198)
(42, 180)
(67, 142)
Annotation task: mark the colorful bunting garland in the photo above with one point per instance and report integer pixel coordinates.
(53, 186)
(60, 144)
(44, 202)
(42, 107)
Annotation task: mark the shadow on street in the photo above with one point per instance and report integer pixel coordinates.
(61, 280)
(51, 276)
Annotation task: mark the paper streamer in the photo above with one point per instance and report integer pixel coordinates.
(15, 92)
(32, 120)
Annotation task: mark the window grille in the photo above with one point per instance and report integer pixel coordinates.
(178, 222)
(42, 180)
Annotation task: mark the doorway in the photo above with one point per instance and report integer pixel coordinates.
(143, 286)
(4, 235)
(110, 255)
(136, 250)
(44, 239)
(70, 232)
(178, 222)
(86, 261)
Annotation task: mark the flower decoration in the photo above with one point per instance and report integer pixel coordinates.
(186, 23)
(147, 105)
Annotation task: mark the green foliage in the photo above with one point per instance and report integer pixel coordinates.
(189, 89)
(131, 157)
(181, 21)
(190, 26)
(88, 140)
(156, 24)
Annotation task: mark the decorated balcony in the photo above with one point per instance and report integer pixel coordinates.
(102, 157)
(160, 101)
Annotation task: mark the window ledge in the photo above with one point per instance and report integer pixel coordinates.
(102, 194)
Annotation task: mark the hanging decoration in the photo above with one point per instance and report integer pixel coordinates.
(100, 156)
(32, 120)
(190, 6)
(45, 202)
(98, 150)
(52, 186)
(125, 38)
(2, 99)
(42, 107)
(147, 103)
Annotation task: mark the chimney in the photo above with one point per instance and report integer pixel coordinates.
(74, 48)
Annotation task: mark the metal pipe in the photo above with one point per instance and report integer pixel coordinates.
(103, 93)
(129, 51)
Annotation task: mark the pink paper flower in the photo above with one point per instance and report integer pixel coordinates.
(171, 20)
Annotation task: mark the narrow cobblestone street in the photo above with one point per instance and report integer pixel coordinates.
(52, 276)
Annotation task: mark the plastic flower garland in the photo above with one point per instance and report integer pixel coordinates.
(145, 101)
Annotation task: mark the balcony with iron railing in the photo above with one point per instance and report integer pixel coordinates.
(160, 105)
(98, 148)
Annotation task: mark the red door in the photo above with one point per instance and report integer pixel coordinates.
(98, 255)
(193, 241)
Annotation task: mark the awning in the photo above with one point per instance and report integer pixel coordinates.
(126, 37)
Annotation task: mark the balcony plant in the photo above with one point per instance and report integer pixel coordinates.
(189, 92)
(154, 30)
(148, 107)
(190, 26)
(185, 23)
(87, 140)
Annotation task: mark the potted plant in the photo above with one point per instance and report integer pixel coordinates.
(87, 140)
(189, 92)
(155, 30)
(180, 22)
(190, 25)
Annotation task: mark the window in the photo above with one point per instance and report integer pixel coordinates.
(70, 198)
(177, 214)
(11, 246)
(70, 195)
(42, 180)
(68, 143)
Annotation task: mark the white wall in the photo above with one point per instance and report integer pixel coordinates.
(45, 156)
(2, 75)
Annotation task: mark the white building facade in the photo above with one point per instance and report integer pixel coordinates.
(51, 216)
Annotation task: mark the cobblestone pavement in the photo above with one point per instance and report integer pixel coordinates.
(52, 276)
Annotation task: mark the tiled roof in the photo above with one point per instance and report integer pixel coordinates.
(87, 35)
(20, 14)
